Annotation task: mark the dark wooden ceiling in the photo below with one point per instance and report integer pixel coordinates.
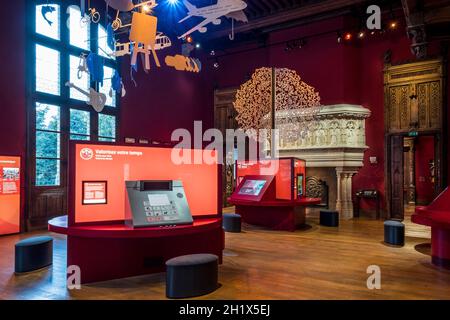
(260, 8)
(269, 13)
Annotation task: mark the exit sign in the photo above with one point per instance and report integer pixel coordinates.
(413, 134)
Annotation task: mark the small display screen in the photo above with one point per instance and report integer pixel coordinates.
(300, 185)
(94, 192)
(252, 187)
(159, 199)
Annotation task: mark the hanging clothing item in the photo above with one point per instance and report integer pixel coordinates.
(95, 65)
(110, 36)
(116, 82)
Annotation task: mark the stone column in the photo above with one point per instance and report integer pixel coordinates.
(344, 201)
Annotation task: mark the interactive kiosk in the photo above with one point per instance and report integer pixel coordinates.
(156, 203)
(133, 208)
(437, 216)
(271, 193)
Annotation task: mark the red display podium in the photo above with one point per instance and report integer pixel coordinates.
(271, 193)
(114, 251)
(437, 216)
(98, 239)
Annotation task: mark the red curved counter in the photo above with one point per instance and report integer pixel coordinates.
(275, 214)
(112, 251)
(437, 216)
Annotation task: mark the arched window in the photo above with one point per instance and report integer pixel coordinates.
(56, 39)
(59, 113)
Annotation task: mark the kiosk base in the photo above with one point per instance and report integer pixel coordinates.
(276, 218)
(116, 251)
(276, 214)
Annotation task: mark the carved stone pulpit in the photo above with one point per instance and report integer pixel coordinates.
(336, 141)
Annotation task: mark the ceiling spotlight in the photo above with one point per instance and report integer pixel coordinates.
(198, 46)
(361, 34)
(348, 36)
(393, 25)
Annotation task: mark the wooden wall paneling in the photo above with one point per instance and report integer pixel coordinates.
(225, 118)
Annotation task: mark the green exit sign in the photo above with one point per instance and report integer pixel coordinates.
(413, 134)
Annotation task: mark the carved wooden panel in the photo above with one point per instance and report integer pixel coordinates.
(46, 204)
(423, 80)
(396, 177)
(224, 118)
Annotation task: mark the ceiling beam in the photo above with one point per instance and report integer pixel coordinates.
(287, 15)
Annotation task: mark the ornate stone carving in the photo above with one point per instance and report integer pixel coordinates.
(337, 126)
(418, 38)
(337, 140)
(316, 188)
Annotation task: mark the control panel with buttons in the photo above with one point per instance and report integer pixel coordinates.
(157, 203)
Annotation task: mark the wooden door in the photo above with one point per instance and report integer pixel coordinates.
(414, 105)
(396, 208)
(225, 118)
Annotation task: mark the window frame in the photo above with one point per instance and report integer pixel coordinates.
(64, 101)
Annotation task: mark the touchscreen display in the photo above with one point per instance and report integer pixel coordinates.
(159, 199)
(252, 187)
(300, 185)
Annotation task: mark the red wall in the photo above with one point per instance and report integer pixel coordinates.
(342, 73)
(164, 100)
(424, 153)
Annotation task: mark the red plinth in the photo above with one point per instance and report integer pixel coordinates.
(109, 252)
(437, 216)
(276, 214)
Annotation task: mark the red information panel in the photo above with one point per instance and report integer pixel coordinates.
(290, 175)
(95, 192)
(113, 165)
(9, 195)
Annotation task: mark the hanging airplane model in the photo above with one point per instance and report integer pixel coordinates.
(233, 9)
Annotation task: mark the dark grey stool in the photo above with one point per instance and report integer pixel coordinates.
(231, 222)
(192, 275)
(33, 254)
(329, 218)
(394, 232)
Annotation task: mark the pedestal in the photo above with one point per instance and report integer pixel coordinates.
(344, 201)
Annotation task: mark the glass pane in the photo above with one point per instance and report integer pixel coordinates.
(47, 144)
(106, 126)
(47, 117)
(82, 83)
(47, 20)
(103, 48)
(78, 137)
(80, 122)
(79, 32)
(47, 70)
(110, 101)
(106, 139)
(47, 172)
